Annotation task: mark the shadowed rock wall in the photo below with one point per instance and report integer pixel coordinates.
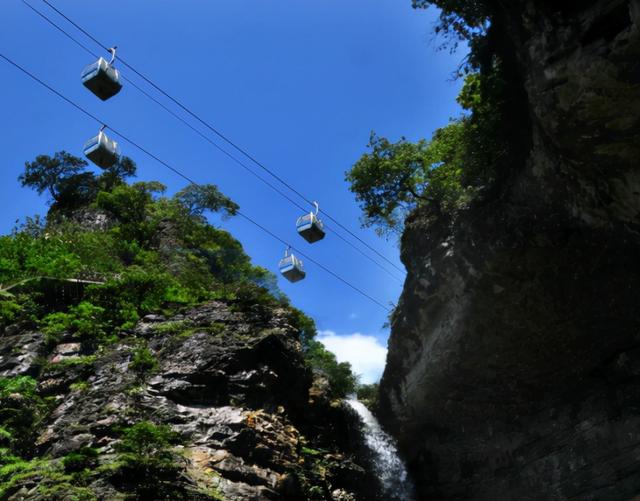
(514, 358)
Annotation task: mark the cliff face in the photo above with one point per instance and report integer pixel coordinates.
(230, 383)
(514, 360)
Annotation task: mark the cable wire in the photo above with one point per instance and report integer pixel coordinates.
(206, 138)
(223, 137)
(186, 177)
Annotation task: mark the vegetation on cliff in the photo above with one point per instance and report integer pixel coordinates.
(462, 160)
(108, 254)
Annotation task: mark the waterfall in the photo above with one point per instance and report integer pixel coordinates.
(388, 466)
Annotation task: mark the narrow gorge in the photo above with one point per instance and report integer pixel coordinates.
(145, 356)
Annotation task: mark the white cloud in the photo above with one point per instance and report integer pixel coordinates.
(365, 354)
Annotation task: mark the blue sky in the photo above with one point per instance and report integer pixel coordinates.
(299, 84)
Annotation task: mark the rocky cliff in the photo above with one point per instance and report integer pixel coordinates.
(231, 385)
(514, 363)
(143, 356)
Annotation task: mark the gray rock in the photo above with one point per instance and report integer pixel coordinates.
(233, 385)
(19, 353)
(512, 364)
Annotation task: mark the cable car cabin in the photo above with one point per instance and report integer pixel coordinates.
(310, 226)
(291, 268)
(102, 151)
(102, 79)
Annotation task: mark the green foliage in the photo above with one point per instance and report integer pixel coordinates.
(389, 181)
(14, 471)
(172, 327)
(143, 361)
(468, 22)
(9, 311)
(68, 184)
(156, 254)
(24, 386)
(484, 143)
(85, 320)
(200, 198)
(5, 436)
(316, 492)
(80, 386)
(316, 466)
(342, 381)
(369, 395)
(52, 174)
(65, 491)
(146, 442)
(21, 410)
(465, 159)
(445, 173)
(460, 19)
(72, 362)
(6, 457)
(134, 292)
(246, 295)
(21, 307)
(305, 325)
(53, 483)
(23, 255)
(146, 461)
(395, 178)
(83, 458)
(129, 204)
(152, 254)
(308, 451)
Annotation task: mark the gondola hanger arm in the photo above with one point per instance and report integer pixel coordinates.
(112, 51)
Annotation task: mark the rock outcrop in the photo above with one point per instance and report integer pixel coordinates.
(514, 363)
(232, 384)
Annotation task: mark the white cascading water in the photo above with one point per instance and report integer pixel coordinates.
(390, 469)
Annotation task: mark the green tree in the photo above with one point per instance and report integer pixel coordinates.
(65, 179)
(206, 197)
(447, 172)
(148, 463)
(395, 178)
(342, 380)
(464, 19)
(50, 174)
(128, 203)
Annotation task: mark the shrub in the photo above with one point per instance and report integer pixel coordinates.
(172, 327)
(65, 491)
(85, 320)
(5, 437)
(83, 458)
(10, 310)
(147, 463)
(143, 361)
(146, 442)
(21, 410)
